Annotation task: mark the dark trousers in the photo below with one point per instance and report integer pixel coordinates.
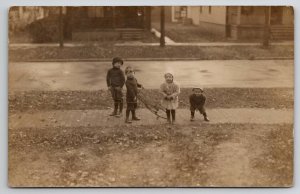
(117, 96)
(201, 110)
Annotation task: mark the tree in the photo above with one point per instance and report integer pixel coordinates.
(162, 26)
(266, 37)
(61, 28)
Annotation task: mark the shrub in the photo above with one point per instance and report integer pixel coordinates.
(44, 30)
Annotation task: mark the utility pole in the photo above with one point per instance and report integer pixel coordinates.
(61, 28)
(266, 37)
(162, 26)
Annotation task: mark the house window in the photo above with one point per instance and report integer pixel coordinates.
(200, 9)
(247, 10)
(180, 12)
(177, 12)
(209, 9)
(95, 12)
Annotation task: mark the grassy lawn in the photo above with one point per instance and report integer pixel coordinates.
(109, 51)
(25, 37)
(193, 155)
(278, 98)
(179, 32)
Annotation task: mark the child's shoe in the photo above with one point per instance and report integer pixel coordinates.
(127, 121)
(114, 113)
(206, 119)
(136, 118)
(119, 115)
(169, 121)
(173, 122)
(192, 118)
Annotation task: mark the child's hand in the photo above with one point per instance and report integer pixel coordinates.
(118, 88)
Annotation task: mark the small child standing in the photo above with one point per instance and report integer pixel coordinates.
(170, 91)
(197, 102)
(131, 95)
(115, 80)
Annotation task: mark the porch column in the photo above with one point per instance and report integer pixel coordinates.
(266, 37)
(147, 18)
(113, 18)
(162, 26)
(61, 28)
(238, 22)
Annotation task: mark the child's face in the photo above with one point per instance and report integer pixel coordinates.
(130, 74)
(169, 78)
(117, 64)
(197, 92)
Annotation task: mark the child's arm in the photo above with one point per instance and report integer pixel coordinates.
(122, 78)
(204, 99)
(138, 84)
(108, 78)
(162, 91)
(177, 91)
(191, 100)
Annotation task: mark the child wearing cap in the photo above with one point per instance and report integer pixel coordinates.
(115, 80)
(197, 102)
(131, 95)
(170, 91)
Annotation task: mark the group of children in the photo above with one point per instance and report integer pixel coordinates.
(169, 89)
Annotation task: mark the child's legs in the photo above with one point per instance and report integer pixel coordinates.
(118, 97)
(202, 111)
(173, 113)
(128, 109)
(113, 94)
(134, 106)
(168, 114)
(192, 111)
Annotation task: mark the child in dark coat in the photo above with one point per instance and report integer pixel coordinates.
(115, 80)
(131, 96)
(197, 102)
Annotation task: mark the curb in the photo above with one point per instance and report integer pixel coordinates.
(149, 59)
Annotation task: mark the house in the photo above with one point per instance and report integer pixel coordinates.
(241, 22)
(21, 16)
(106, 23)
(155, 14)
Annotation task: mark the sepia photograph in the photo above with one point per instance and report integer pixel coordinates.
(151, 96)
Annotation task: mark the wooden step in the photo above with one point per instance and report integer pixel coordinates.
(282, 32)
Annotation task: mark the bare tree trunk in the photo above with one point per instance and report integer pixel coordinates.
(266, 38)
(162, 26)
(61, 28)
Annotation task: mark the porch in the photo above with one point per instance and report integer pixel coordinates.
(107, 23)
(248, 22)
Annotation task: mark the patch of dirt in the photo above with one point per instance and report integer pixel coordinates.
(180, 156)
(278, 98)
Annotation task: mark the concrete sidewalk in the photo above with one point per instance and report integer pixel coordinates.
(77, 118)
(14, 46)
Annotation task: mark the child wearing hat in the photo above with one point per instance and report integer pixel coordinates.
(115, 80)
(131, 95)
(170, 91)
(197, 102)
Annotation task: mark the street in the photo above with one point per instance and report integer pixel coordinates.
(52, 76)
